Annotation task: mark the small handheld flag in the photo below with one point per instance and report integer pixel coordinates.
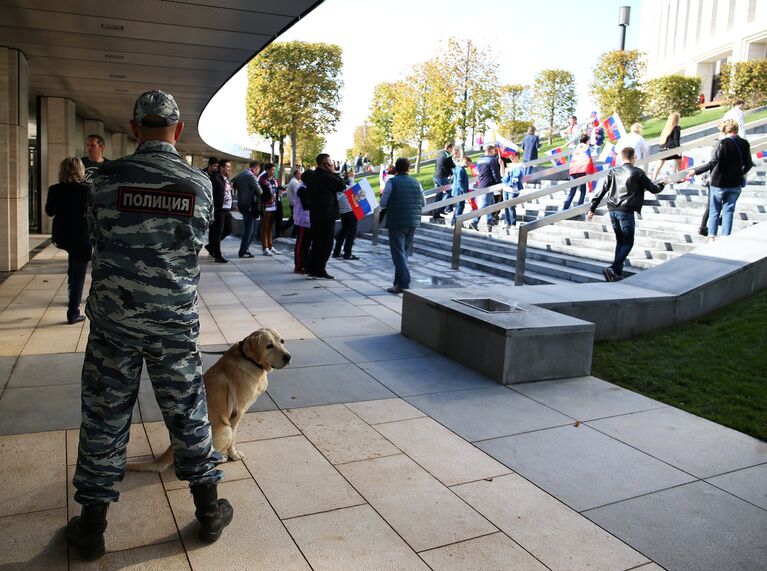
(474, 170)
(761, 155)
(506, 148)
(687, 163)
(594, 118)
(607, 156)
(361, 198)
(614, 127)
(556, 161)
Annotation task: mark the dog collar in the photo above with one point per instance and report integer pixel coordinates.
(248, 357)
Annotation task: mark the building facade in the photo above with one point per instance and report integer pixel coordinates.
(696, 37)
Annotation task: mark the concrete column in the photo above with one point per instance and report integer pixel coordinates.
(108, 144)
(119, 145)
(56, 134)
(14, 160)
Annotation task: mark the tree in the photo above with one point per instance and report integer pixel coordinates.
(554, 96)
(382, 116)
(746, 80)
(294, 88)
(440, 105)
(672, 93)
(309, 146)
(514, 114)
(411, 111)
(617, 84)
(365, 142)
(472, 78)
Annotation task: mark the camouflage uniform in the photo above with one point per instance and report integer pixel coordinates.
(149, 215)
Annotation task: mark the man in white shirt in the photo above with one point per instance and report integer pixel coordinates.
(736, 114)
(635, 140)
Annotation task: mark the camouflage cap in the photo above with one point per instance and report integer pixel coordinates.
(156, 109)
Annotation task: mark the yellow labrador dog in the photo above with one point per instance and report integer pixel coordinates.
(232, 385)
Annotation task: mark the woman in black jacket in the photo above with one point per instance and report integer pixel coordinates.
(670, 139)
(68, 203)
(728, 165)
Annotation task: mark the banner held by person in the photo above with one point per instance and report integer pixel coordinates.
(614, 127)
(361, 198)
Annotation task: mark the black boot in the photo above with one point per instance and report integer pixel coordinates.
(213, 514)
(86, 531)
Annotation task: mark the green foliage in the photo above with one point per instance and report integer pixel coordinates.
(617, 84)
(440, 106)
(713, 367)
(411, 111)
(672, 93)
(472, 79)
(365, 142)
(554, 95)
(514, 116)
(746, 80)
(309, 146)
(382, 112)
(294, 87)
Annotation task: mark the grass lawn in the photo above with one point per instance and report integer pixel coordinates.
(715, 367)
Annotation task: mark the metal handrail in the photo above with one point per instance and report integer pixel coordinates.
(526, 228)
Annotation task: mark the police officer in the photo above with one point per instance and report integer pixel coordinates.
(149, 214)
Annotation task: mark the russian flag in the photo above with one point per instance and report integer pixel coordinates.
(614, 127)
(361, 198)
(761, 154)
(687, 163)
(506, 148)
(557, 162)
(607, 156)
(594, 118)
(594, 183)
(474, 170)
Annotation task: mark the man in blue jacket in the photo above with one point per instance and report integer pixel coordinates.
(489, 174)
(460, 186)
(248, 191)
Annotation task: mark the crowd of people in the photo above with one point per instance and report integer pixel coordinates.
(141, 221)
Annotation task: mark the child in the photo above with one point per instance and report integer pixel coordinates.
(512, 185)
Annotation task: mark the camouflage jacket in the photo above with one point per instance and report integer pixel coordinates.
(149, 213)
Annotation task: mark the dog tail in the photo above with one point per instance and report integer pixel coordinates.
(159, 464)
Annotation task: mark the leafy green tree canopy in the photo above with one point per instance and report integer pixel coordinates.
(554, 96)
(617, 84)
(672, 93)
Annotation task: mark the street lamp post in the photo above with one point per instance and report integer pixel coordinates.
(624, 15)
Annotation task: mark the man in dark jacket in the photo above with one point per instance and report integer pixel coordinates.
(442, 172)
(248, 191)
(322, 185)
(728, 165)
(624, 188)
(489, 174)
(222, 206)
(403, 199)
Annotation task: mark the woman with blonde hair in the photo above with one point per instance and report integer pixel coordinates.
(67, 203)
(728, 165)
(669, 139)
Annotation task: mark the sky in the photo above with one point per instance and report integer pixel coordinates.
(381, 40)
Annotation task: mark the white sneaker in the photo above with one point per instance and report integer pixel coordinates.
(268, 252)
(275, 252)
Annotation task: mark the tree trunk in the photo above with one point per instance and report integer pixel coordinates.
(418, 157)
(280, 167)
(293, 149)
(271, 153)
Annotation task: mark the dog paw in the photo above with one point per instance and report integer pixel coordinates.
(235, 455)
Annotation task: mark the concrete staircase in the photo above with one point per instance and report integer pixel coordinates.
(575, 251)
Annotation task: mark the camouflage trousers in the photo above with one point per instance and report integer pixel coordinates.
(110, 385)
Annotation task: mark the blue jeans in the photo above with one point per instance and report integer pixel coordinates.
(76, 270)
(623, 226)
(571, 194)
(485, 200)
(439, 181)
(510, 214)
(400, 241)
(248, 225)
(722, 200)
(458, 210)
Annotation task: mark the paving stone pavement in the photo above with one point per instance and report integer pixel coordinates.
(371, 451)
